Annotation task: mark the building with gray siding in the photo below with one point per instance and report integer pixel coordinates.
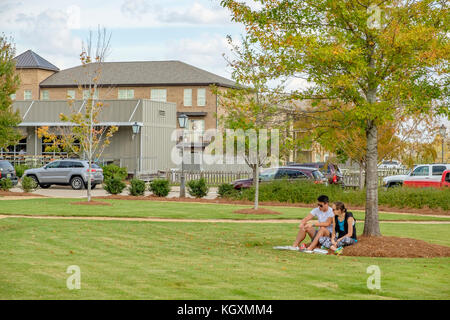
(144, 153)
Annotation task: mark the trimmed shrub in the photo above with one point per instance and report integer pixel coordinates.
(6, 184)
(306, 192)
(198, 188)
(28, 184)
(20, 169)
(226, 190)
(114, 185)
(159, 187)
(112, 171)
(137, 187)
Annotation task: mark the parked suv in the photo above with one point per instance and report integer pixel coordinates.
(330, 170)
(7, 171)
(66, 172)
(290, 173)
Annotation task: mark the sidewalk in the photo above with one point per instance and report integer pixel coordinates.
(68, 192)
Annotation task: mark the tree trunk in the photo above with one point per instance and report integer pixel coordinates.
(371, 224)
(256, 174)
(361, 175)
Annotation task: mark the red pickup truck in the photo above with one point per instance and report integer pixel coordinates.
(443, 182)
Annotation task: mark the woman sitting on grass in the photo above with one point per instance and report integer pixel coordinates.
(342, 234)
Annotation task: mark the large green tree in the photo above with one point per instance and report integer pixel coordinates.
(379, 57)
(9, 82)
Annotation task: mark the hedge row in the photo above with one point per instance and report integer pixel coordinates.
(304, 192)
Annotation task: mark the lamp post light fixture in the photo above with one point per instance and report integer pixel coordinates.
(442, 131)
(182, 121)
(135, 128)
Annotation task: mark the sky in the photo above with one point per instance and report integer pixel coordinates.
(192, 31)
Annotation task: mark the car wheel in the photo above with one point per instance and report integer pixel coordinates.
(36, 181)
(77, 183)
(45, 186)
(93, 186)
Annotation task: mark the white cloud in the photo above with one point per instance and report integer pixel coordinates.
(135, 8)
(204, 52)
(195, 14)
(48, 31)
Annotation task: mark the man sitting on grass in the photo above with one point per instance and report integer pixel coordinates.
(325, 217)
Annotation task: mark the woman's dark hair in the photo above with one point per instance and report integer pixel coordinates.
(323, 198)
(340, 206)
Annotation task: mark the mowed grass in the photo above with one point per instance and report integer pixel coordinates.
(179, 260)
(160, 209)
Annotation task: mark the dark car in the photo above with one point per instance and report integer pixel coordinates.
(290, 173)
(8, 171)
(330, 170)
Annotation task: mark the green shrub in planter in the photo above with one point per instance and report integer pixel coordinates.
(198, 188)
(6, 184)
(20, 169)
(28, 184)
(159, 187)
(137, 187)
(114, 185)
(226, 190)
(112, 171)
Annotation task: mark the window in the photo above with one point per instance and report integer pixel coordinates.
(158, 95)
(268, 174)
(71, 94)
(196, 129)
(53, 165)
(45, 95)
(87, 94)
(447, 177)
(438, 170)
(126, 94)
(27, 95)
(187, 98)
(13, 96)
(421, 171)
(20, 148)
(201, 97)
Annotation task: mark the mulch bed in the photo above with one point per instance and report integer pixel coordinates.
(395, 247)
(259, 211)
(381, 208)
(91, 203)
(19, 194)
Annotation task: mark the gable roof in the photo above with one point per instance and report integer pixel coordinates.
(137, 73)
(31, 60)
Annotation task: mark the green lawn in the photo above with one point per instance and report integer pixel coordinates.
(140, 208)
(162, 260)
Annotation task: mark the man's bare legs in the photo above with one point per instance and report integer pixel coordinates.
(323, 232)
(308, 229)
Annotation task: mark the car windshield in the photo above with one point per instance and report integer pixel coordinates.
(5, 165)
(268, 174)
(317, 175)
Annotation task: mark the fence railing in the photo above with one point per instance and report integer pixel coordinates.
(211, 177)
(32, 161)
(351, 178)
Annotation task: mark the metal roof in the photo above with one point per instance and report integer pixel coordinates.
(31, 60)
(136, 73)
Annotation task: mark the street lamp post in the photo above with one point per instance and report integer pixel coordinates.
(442, 131)
(182, 120)
(136, 127)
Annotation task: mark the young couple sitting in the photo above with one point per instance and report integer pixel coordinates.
(334, 230)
